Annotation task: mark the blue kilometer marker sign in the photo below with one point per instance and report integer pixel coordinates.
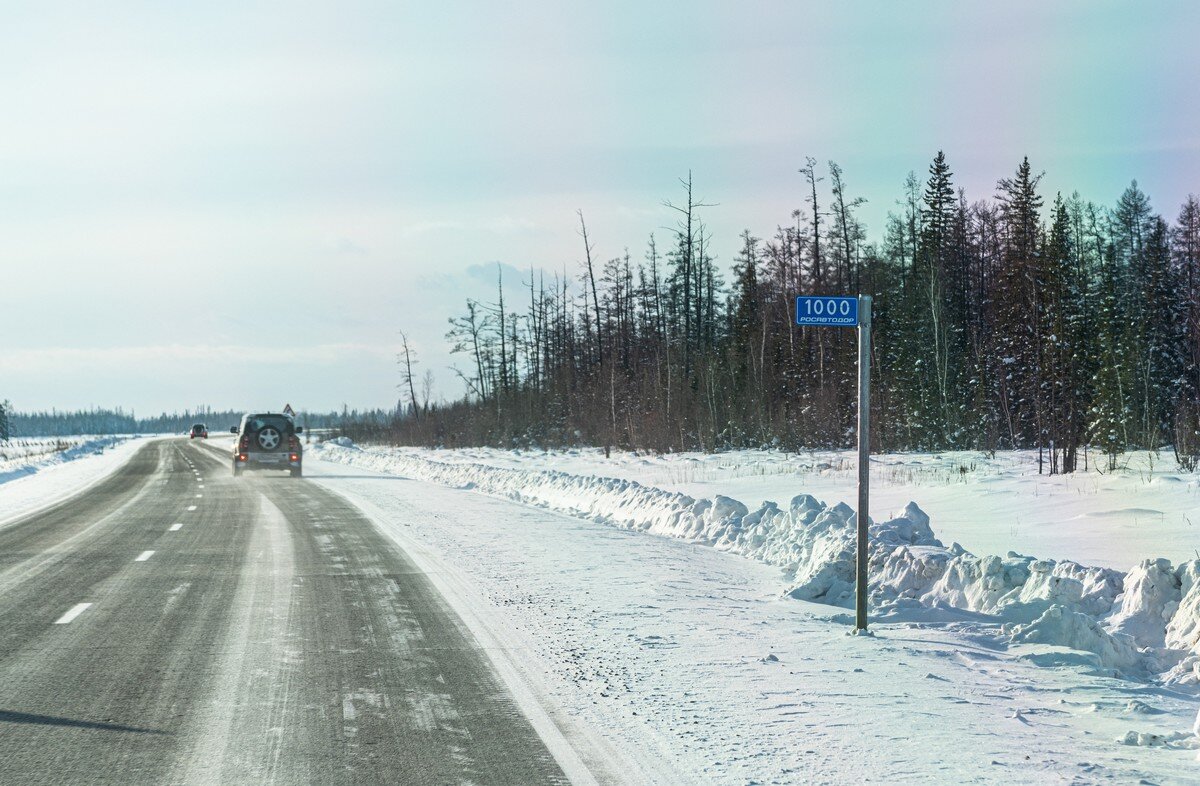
(842, 311)
(827, 311)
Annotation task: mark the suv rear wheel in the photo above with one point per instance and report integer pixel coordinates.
(269, 438)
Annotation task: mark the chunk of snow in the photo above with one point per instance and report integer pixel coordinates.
(1065, 628)
(1150, 600)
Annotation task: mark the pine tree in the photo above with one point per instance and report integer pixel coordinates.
(1016, 354)
(745, 309)
(1162, 321)
(1111, 412)
(1185, 250)
(933, 254)
(1131, 224)
(1059, 400)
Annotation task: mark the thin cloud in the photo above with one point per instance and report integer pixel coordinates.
(33, 361)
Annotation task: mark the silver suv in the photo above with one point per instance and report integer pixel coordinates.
(267, 441)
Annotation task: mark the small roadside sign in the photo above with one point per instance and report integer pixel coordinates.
(287, 410)
(833, 311)
(842, 311)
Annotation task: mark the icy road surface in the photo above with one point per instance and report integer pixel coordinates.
(172, 624)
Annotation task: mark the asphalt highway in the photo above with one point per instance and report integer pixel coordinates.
(174, 624)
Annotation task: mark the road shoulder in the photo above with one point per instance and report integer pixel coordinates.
(33, 494)
(583, 754)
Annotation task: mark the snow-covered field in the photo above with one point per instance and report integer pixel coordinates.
(37, 472)
(983, 668)
(1147, 509)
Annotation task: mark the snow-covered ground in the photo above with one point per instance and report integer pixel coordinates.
(696, 657)
(38, 472)
(26, 454)
(1146, 510)
(699, 652)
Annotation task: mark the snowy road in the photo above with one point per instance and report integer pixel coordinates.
(172, 624)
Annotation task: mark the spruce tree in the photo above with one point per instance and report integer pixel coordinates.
(943, 317)
(1016, 353)
(1111, 412)
(1060, 400)
(1185, 251)
(1162, 322)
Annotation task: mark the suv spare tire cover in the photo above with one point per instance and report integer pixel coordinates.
(269, 438)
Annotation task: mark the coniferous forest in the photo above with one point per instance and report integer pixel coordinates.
(1021, 320)
(60, 423)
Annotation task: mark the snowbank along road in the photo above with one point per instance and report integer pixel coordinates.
(704, 649)
(174, 625)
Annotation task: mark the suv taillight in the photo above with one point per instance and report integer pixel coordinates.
(292, 442)
(244, 445)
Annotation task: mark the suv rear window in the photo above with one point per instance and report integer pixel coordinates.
(257, 423)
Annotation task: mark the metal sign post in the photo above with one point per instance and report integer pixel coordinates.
(852, 312)
(864, 457)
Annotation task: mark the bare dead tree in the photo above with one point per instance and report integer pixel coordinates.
(587, 250)
(407, 361)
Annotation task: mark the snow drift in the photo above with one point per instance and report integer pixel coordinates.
(1144, 621)
(26, 456)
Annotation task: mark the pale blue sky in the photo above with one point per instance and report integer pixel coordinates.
(187, 188)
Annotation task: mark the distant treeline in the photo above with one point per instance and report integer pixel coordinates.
(1018, 321)
(116, 421)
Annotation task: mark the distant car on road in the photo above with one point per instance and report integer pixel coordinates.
(199, 430)
(267, 440)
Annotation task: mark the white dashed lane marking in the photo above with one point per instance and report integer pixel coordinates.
(191, 507)
(175, 527)
(145, 555)
(75, 611)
